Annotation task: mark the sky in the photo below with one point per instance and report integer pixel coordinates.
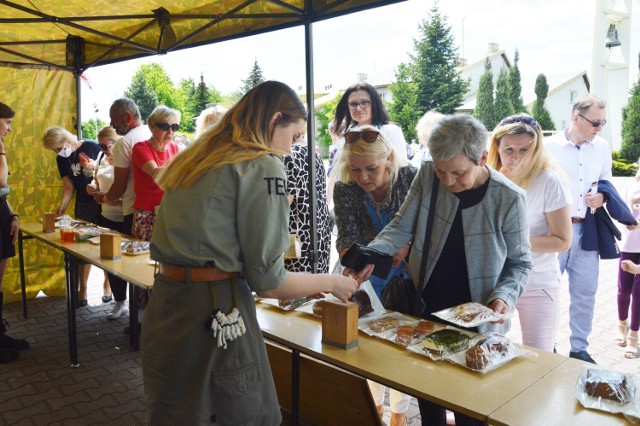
(553, 37)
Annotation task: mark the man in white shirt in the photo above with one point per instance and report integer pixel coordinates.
(125, 118)
(585, 158)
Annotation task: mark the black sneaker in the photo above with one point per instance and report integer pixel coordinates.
(582, 355)
(9, 342)
(8, 355)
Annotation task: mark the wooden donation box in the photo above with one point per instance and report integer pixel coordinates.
(49, 222)
(340, 324)
(110, 246)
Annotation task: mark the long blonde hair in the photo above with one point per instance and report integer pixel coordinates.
(538, 159)
(242, 134)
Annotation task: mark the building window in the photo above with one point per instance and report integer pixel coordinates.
(381, 95)
(573, 95)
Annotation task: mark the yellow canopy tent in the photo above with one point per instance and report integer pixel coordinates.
(45, 45)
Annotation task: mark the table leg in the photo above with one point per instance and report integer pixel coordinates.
(295, 387)
(71, 275)
(134, 336)
(23, 280)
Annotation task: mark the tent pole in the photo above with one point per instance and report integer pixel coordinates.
(311, 131)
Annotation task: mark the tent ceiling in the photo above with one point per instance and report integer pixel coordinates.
(78, 34)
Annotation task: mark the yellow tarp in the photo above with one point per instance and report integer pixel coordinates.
(40, 98)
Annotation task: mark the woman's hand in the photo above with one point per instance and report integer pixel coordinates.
(91, 189)
(499, 307)
(86, 162)
(344, 287)
(14, 229)
(401, 255)
(361, 275)
(630, 267)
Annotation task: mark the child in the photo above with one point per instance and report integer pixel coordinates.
(628, 282)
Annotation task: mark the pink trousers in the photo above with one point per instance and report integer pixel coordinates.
(538, 313)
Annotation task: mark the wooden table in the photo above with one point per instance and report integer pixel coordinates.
(134, 269)
(452, 386)
(552, 401)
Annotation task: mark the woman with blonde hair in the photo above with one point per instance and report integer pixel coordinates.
(516, 149)
(75, 164)
(372, 185)
(208, 118)
(148, 159)
(221, 232)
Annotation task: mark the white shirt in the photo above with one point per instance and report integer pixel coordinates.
(631, 239)
(104, 177)
(583, 165)
(547, 193)
(122, 158)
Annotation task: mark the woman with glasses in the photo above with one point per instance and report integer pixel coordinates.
(75, 160)
(361, 105)
(478, 247)
(516, 149)
(148, 159)
(372, 184)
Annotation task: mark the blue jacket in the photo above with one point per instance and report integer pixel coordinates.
(600, 233)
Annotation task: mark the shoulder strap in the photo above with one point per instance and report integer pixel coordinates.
(427, 240)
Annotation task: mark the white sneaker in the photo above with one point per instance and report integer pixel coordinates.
(119, 309)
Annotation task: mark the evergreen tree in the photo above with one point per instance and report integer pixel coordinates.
(502, 106)
(255, 78)
(539, 111)
(631, 124)
(201, 96)
(484, 99)
(404, 110)
(515, 86)
(143, 95)
(434, 67)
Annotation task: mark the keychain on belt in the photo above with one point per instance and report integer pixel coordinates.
(225, 327)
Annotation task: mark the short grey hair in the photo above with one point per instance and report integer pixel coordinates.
(161, 114)
(583, 104)
(458, 134)
(425, 125)
(126, 106)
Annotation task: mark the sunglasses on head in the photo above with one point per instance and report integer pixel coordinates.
(105, 146)
(166, 126)
(594, 123)
(524, 119)
(368, 136)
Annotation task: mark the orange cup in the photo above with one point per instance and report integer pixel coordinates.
(66, 235)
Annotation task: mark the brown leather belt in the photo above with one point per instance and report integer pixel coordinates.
(197, 275)
(577, 219)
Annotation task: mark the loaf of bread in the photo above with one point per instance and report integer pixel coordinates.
(611, 385)
(488, 350)
(364, 302)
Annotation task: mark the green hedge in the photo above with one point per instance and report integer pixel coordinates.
(621, 168)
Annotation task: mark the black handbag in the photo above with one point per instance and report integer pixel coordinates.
(400, 293)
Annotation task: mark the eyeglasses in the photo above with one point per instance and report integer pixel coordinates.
(594, 123)
(166, 126)
(363, 104)
(369, 136)
(105, 146)
(520, 118)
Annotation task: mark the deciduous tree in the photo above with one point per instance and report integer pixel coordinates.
(631, 124)
(404, 109)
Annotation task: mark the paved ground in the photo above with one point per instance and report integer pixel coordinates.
(41, 388)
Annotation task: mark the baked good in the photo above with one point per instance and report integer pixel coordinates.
(468, 312)
(364, 302)
(611, 385)
(317, 307)
(423, 328)
(382, 324)
(488, 350)
(404, 335)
